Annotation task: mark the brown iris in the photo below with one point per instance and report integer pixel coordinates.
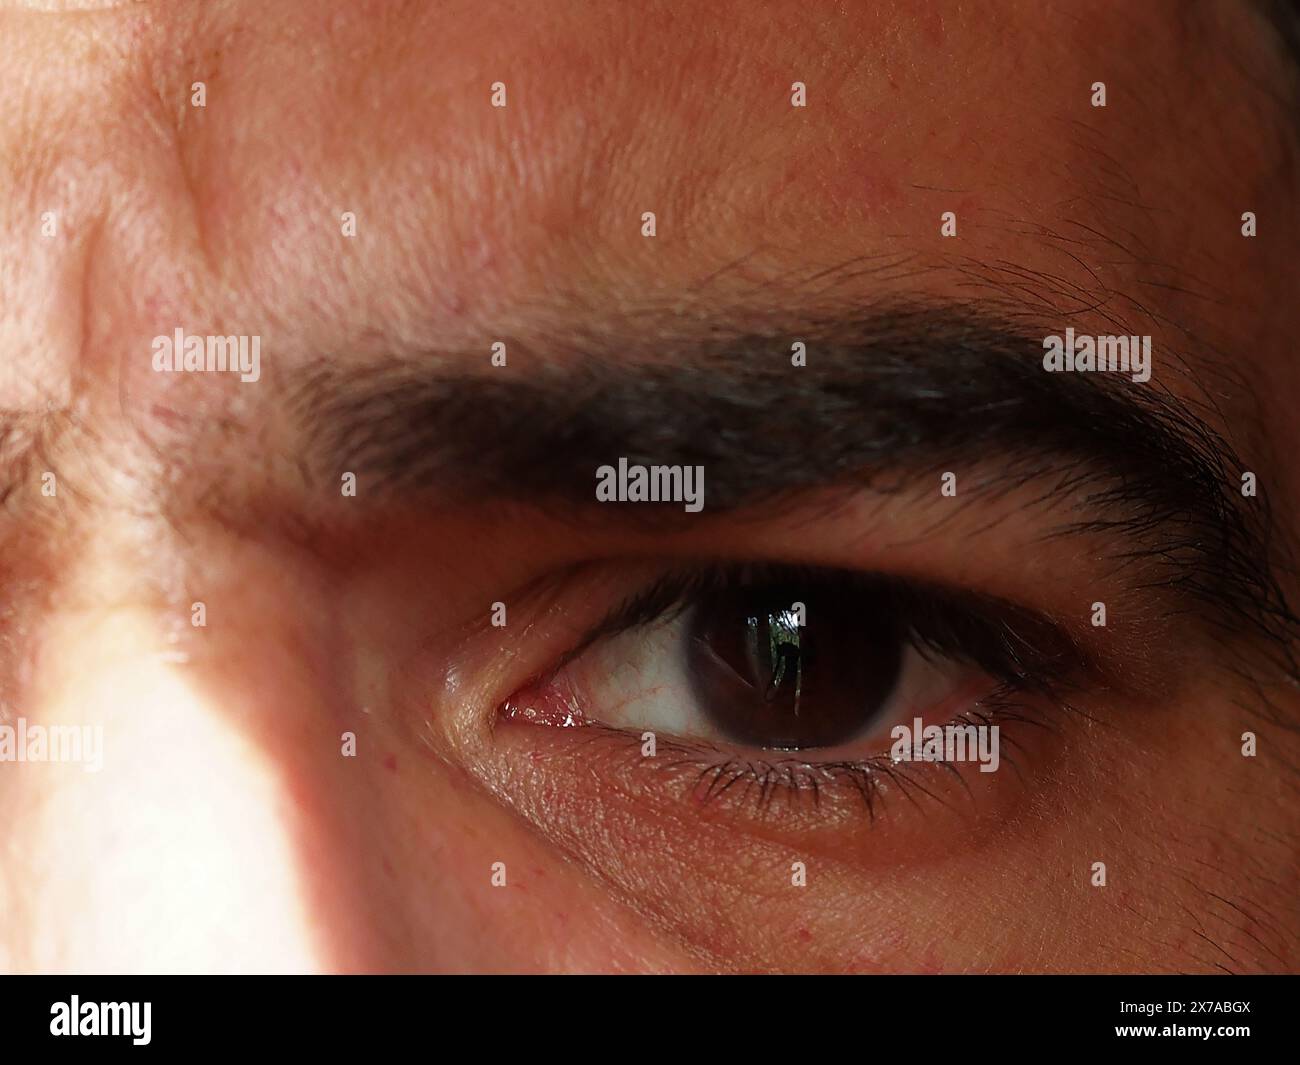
(765, 680)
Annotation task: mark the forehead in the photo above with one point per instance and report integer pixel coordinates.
(612, 111)
(474, 221)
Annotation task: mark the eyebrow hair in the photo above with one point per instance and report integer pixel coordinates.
(907, 390)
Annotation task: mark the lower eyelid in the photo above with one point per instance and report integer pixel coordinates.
(594, 792)
(700, 865)
(861, 782)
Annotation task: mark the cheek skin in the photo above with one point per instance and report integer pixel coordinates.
(728, 889)
(443, 838)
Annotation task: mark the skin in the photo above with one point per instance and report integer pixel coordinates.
(227, 832)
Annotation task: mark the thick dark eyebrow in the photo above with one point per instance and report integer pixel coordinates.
(903, 392)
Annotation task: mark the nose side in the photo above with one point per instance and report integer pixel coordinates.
(166, 842)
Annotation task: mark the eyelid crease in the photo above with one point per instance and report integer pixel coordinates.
(898, 389)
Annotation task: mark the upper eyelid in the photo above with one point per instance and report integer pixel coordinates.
(1050, 660)
(904, 387)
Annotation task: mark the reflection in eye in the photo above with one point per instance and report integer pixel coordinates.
(766, 673)
(792, 659)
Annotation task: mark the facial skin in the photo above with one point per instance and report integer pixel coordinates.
(228, 831)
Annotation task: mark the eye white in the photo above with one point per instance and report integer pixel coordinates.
(638, 680)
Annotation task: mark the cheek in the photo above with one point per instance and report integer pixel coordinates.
(457, 883)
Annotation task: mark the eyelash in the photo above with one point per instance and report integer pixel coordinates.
(1034, 663)
(1022, 649)
(798, 780)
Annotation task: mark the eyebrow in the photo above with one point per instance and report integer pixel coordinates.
(908, 390)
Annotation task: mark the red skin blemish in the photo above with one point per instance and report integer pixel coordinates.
(804, 935)
(390, 763)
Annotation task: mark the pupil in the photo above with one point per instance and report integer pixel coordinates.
(764, 680)
(774, 651)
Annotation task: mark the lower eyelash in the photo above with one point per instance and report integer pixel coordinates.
(761, 783)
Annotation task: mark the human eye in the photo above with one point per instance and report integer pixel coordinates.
(664, 718)
(719, 722)
(762, 681)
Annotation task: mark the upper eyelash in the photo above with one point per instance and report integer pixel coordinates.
(1019, 648)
